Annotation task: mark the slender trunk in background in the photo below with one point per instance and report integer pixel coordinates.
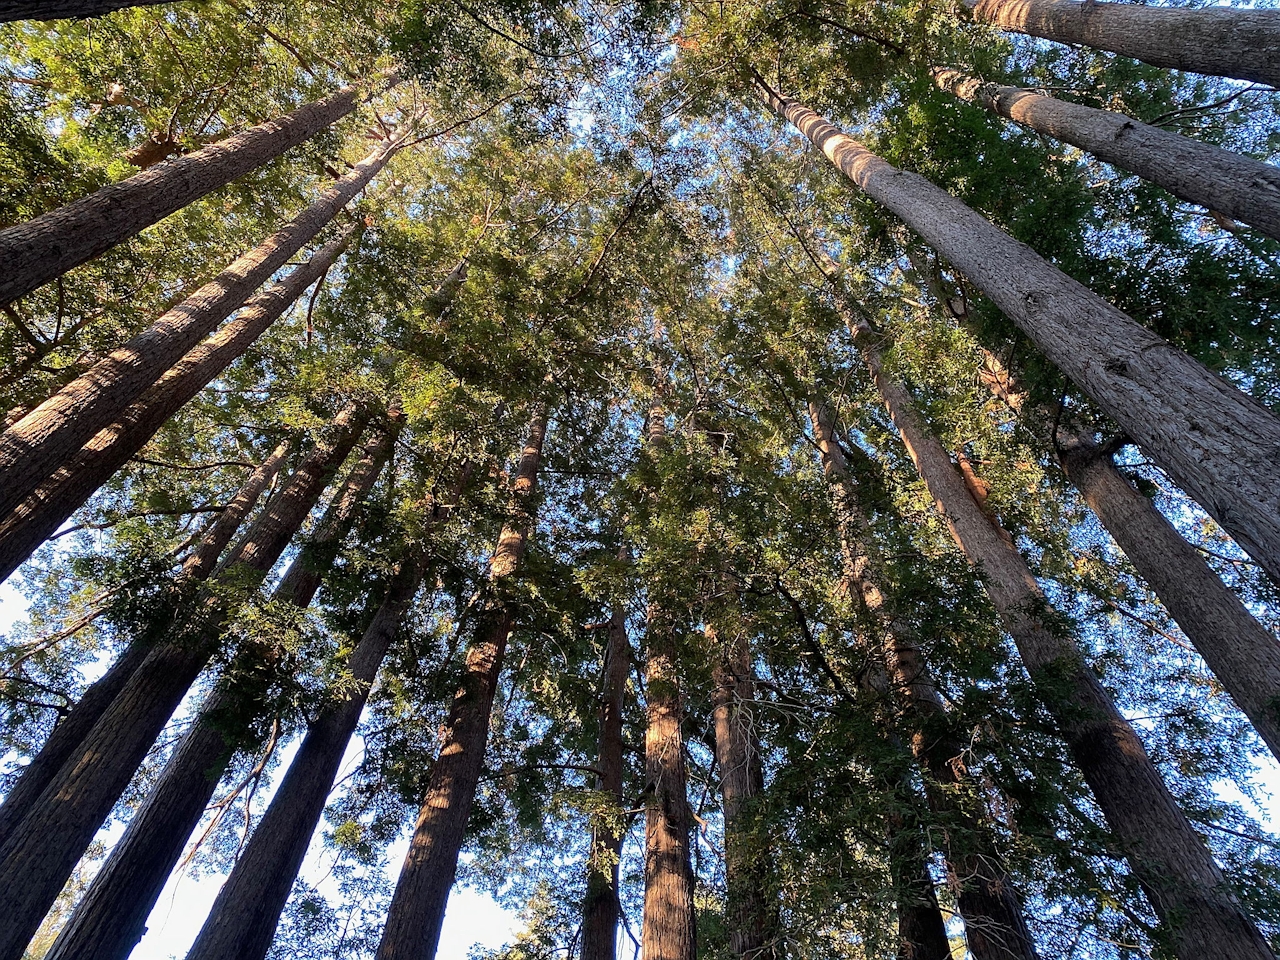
(1215, 41)
(111, 918)
(39, 250)
(1185, 887)
(749, 915)
(600, 909)
(1218, 444)
(50, 435)
(412, 930)
(41, 852)
(34, 520)
(243, 921)
(1242, 653)
(76, 725)
(988, 899)
(1227, 183)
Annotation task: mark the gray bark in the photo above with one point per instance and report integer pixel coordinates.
(50, 435)
(1224, 182)
(1216, 41)
(1218, 444)
(39, 250)
(1184, 885)
(41, 852)
(36, 518)
(66, 9)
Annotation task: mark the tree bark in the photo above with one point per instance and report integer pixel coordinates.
(1240, 651)
(111, 918)
(1219, 445)
(66, 9)
(922, 933)
(995, 925)
(42, 851)
(76, 725)
(1216, 41)
(601, 909)
(36, 518)
(1224, 182)
(37, 445)
(412, 930)
(39, 250)
(749, 915)
(1184, 885)
(247, 910)
(669, 927)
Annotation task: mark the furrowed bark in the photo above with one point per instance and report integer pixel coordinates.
(1185, 887)
(66, 9)
(1219, 445)
(1227, 183)
(76, 725)
(995, 924)
(417, 908)
(749, 915)
(34, 520)
(243, 921)
(111, 918)
(39, 250)
(1242, 653)
(1216, 41)
(50, 435)
(42, 851)
(669, 927)
(600, 911)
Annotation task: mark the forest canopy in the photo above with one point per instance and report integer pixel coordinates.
(767, 480)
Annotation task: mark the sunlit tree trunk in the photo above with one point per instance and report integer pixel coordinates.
(75, 726)
(51, 434)
(1217, 41)
(111, 918)
(995, 925)
(1185, 887)
(1226, 183)
(36, 519)
(39, 250)
(1215, 442)
(412, 930)
(41, 852)
(600, 911)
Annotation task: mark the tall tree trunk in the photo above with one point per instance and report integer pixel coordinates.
(1217, 41)
(39, 250)
(76, 725)
(922, 933)
(600, 910)
(111, 918)
(749, 916)
(1227, 183)
(417, 908)
(51, 434)
(1184, 885)
(1216, 443)
(41, 852)
(669, 927)
(36, 518)
(245, 914)
(1242, 653)
(995, 925)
